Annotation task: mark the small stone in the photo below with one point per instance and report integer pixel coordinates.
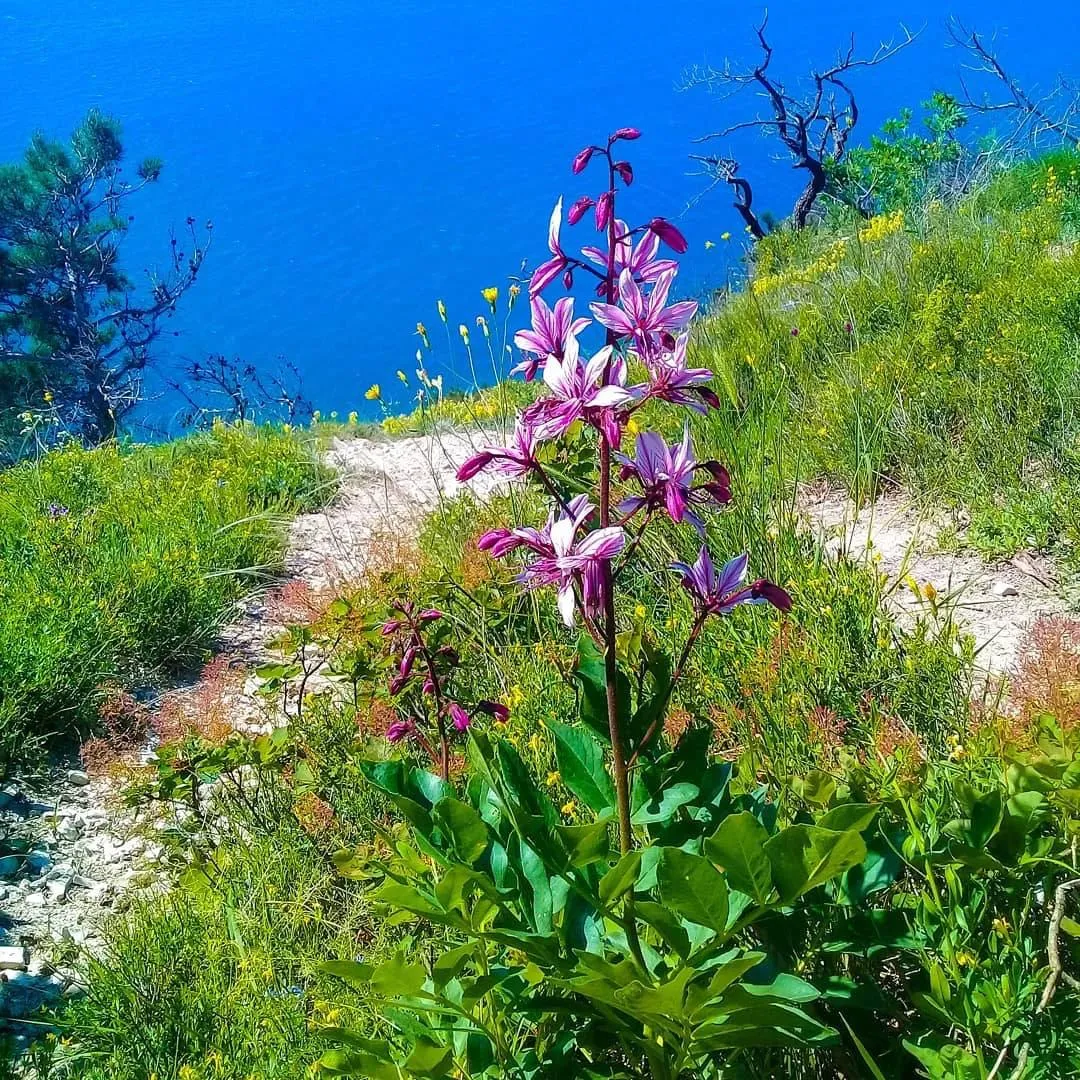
(13, 958)
(34, 899)
(58, 889)
(69, 829)
(1003, 588)
(77, 778)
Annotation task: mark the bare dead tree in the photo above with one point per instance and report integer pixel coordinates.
(1036, 116)
(813, 125)
(219, 388)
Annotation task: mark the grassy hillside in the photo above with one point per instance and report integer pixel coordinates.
(118, 564)
(936, 351)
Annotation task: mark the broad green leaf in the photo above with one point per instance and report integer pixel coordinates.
(816, 788)
(620, 878)
(738, 846)
(353, 1063)
(692, 887)
(805, 856)
(666, 923)
(854, 816)
(581, 766)
(648, 808)
(585, 844)
(464, 827)
(429, 1060)
(398, 978)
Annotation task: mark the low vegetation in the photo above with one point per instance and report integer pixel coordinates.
(118, 564)
(810, 843)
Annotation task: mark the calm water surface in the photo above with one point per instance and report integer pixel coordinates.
(360, 160)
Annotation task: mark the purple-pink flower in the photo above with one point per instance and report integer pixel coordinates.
(640, 258)
(459, 717)
(720, 593)
(592, 390)
(515, 460)
(399, 730)
(547, 272)
(562, 560)
(670, 379)
(645, 318)
(551, 328)
(666, 475)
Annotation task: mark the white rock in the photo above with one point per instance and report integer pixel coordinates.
(34, 899)
(77, 778)
(13, 958)
(58, 889)
(69, 828)
(1003, 588)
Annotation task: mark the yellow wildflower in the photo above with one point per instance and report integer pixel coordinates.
(553, 778)
(1001, 926)
(421, 329)
(966, 959)
(402, 377)
(354, 418)
(463, 330)
(568, 808)
(373, 392)
(491, 295)
(709, 244)
(725, 236)
(442, 310)
(48, 396)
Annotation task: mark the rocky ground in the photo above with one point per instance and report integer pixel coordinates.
(85, 854)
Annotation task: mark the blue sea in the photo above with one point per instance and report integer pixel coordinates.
(362, 160)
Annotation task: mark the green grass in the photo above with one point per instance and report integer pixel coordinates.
(957, 380)
(940, 353)
(132, 571)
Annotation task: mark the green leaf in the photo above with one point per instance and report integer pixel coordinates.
(430, 1060)
(816, 788)
(620, 878)
(464, 827)
(653, 808)
(355, 974)
(666, 924)
(691, 886)
(397, 978)
(585, 844)
(739, 847)
(854, 816)
(581, 766)
(352, 1063)
(805, 856)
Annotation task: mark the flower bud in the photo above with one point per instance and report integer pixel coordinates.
(430, 615)
(766, 590)
(568, 279)
(603, 211)
(583, 158)
(495, 709)
(710, 397)
(390, 627)
(577, 211)
(624, 169)
(628, 133)
(669, 235)
(408, 660)
(395, 685)
(399, 729)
